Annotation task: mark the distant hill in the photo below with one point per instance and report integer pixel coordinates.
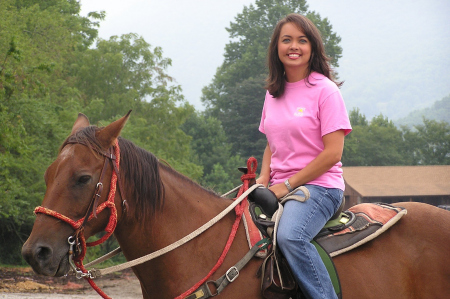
(440, 111)
(395, 56)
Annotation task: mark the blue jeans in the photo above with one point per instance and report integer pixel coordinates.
(299, 224)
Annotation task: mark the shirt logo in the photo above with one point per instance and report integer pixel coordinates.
(299, 112)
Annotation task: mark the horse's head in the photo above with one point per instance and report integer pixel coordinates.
(74, 188)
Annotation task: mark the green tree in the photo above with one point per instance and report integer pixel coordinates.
(378, 143)
(357, 118)
(220, 179)
(125, 73)
(244, 102)
(48, 73)
(213, 152)
(37, 42)
(381, 143)
(351, 155)
(429, 143)
(121, 73)
(157, 128)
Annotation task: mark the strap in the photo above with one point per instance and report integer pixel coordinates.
(292, 196)
(277, 215)
(92, 208)
(104, 257)
(204, 291)
(121, 190)
(97, 194)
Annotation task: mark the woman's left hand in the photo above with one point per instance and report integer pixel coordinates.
(280, 190)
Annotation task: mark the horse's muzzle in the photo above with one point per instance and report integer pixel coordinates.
(45, 260)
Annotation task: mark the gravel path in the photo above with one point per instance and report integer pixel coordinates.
(20, 283)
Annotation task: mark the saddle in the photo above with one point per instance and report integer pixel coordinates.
(263, 204)
(345, 231)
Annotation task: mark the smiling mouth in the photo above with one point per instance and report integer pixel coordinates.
(294, 55)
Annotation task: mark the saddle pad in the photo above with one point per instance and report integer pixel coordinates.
(251, 230)
(371, 221)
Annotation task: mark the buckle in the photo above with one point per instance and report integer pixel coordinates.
(232, 274)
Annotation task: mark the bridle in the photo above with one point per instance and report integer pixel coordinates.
(77, 241)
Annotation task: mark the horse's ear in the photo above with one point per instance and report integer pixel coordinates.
(108, 135)
(81, 122)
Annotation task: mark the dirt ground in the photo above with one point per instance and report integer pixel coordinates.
(24, 283)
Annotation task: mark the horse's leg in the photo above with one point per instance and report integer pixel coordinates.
(410, 260)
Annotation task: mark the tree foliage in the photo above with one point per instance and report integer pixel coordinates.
(429, 143)
(380, 143)
(124, 71)
(244, 102)
(50, 70)
(213, 152)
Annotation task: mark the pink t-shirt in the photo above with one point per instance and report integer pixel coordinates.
(295, 123)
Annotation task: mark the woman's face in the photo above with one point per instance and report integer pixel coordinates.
(294, 51)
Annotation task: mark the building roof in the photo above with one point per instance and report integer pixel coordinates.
(378, 181)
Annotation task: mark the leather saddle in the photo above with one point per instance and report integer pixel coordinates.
(263, 204)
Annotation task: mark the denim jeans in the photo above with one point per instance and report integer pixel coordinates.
(299, 224)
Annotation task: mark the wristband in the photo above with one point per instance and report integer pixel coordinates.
(288, 186)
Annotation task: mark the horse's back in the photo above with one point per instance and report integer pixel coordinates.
(409, 260)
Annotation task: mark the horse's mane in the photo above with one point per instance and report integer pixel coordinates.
(138, 168)
(168, 168)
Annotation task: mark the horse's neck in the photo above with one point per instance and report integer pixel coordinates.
(186, 207)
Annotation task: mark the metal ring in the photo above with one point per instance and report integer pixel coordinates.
(71, 242)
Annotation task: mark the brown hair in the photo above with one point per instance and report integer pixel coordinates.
(275, 82)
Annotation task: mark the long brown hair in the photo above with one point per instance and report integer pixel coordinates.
(275, 82)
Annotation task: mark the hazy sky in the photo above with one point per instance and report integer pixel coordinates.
(376, 35)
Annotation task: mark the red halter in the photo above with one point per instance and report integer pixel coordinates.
(92, 211)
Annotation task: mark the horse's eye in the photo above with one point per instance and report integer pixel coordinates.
(83, 179)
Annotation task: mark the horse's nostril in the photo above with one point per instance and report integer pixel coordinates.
(43, 253)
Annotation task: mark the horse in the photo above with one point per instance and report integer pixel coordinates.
(156, 206)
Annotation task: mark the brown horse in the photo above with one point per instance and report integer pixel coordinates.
(410, 260)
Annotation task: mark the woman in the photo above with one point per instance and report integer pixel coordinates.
(305, 120)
